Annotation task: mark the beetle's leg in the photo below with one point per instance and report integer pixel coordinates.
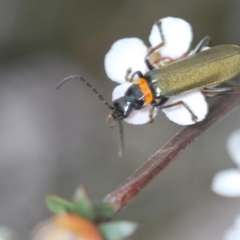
(153, 49)
(159, 105)
(212, 92)
(194, 117)
(156, 104)
(205, 42)
(146, 60)
(159, 102)
(131, 78)
(150, 114)
(128, 72)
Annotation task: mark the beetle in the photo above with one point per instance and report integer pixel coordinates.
(198, 71)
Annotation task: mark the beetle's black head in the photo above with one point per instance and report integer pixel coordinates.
(121, 109)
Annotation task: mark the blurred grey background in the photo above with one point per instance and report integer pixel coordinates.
(53, 141)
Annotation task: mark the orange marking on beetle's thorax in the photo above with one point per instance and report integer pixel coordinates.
(145, 89)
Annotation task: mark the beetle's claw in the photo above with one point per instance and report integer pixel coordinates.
(111, 120)
(194, 118)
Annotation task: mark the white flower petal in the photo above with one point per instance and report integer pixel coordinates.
(180, 115)
(124, 54)
(227, 183)
(140, 116)
(232, 233)
(136, 117)
(237, 221)
(120, 90)
(204, 49)
(177, 34)
(233, 146)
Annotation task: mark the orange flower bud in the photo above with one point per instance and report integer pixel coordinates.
(67, 226)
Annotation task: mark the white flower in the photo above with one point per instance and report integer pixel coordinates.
(178, 37)
(124, 54)
(129, 53)
(227, 182)
(233, 146)
(233, 233)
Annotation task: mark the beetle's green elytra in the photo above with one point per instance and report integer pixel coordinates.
(204, 69)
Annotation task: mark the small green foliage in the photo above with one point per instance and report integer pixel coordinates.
(83, 205)
(94, 212)
(59, 205)
(117, 230)
(104, 210)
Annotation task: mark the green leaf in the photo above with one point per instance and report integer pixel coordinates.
(117, 230)
(83, 205)
(104, 210)
(59, 205)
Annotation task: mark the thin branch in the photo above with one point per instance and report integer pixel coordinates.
(138, 180)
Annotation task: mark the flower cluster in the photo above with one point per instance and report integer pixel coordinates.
(127, 55)
(227, 182)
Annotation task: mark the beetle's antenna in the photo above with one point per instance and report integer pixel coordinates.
(88, 84)
(121, 143)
